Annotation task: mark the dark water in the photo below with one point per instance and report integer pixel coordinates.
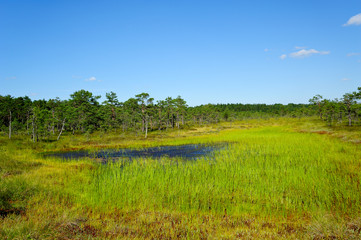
(187, 152)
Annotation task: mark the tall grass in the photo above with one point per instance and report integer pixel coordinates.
(269, 172)
(270, 182)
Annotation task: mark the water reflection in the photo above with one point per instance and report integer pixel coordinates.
(188, 152)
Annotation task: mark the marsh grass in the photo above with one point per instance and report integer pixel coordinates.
(277, 179)
(266, 172)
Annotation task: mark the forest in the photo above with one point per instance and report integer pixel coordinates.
(83, 113)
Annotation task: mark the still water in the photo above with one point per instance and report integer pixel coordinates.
(187, 152)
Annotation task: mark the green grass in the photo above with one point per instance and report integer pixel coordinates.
(277, 179)
(267, 172)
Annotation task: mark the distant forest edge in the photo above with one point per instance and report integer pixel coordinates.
(82, 113)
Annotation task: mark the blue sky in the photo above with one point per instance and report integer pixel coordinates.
(205, 51)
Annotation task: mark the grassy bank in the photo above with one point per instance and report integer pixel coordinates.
(276, 179)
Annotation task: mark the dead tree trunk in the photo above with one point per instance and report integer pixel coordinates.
(349, 119)
(10, 125)
(61, 131)
(33, 124)
(146, 126)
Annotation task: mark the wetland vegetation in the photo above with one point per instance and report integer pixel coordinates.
(185, 152)
(288, 175)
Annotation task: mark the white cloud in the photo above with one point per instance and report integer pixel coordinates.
(266, 49)
(283, 56)
(345, 79)
(352, 54)
(306, 53)
(91, 79)
(297, 47)
(10, 78)
(355, 20)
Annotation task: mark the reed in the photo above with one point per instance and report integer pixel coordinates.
(269, 171)
(276, 178)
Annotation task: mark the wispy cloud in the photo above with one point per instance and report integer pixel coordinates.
(91, 79)
(355, 20)
(10, 78)
(345, 79)
(266, 50)
(352, 54)
(306, 53)
(303, 52)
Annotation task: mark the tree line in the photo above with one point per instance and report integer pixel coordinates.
(83, 113)
(336, 111)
